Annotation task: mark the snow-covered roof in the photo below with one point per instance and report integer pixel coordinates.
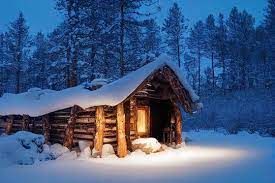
(37, 102)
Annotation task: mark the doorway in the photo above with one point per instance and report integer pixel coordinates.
(160, 111)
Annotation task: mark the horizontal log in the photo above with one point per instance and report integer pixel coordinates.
(85, 120)
(89, 130)
(109, 140)
(58, 125)
(83, 136)
(60, 116)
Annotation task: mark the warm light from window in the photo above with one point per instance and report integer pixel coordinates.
(141, 121)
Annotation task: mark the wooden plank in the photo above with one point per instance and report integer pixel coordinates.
(85, 120)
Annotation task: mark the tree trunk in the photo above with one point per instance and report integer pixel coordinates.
(18, 81)
(25, 123)
(178, 51)
(128, 124)
(213, 72)
(178, 121)
(18, 61)
(73, 79)
(199, 71)
(9, 125)
(223, 75)
(100, 126)
(46, 128)
(68, 59)
(122, 24)
(69, 132)
(121, 140)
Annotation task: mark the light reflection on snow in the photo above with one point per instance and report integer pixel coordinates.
(177, 157)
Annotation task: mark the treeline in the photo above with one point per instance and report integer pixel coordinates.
(108, 39)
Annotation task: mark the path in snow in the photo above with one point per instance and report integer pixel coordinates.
(210, 157)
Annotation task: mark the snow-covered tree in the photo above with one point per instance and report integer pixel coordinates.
(17, 40)
(196, 45)
(221, 48)
(270, 28)
(241, 33)
(174, 27)
(38, 64)
(211, 44)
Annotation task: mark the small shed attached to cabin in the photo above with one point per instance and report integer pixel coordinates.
(145, 103)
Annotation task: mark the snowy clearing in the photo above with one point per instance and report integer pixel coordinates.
(209, 157)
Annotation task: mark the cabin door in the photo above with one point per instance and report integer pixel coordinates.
(143, 121)
(160, 118)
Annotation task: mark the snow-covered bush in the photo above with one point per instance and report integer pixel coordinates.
(22, 148)
(26, 148)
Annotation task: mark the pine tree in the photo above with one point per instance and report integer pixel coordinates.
(17, 40)
(130, 31)
(2, 64)
(174, 28)
(270, 28)
(211, 35)
(260, 65)
(221, 48)
(196, 44)
(71, 9)
(39, 61)
(151, 41)
(59, 58)
(241, 34)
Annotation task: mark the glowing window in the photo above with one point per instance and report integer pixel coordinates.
(142, 120)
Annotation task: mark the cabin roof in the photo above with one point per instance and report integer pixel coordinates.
(37, 102)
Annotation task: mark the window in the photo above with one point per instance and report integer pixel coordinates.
(143, 121)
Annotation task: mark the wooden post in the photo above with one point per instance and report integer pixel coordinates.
(33, 121)
(9, 125)
(121, 140)
(25, 123)
(46, 128)
(100, 126)
(128, 124)
(178, 123)
(69, 132)
(133, 114)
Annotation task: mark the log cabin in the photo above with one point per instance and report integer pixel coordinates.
(145, 103)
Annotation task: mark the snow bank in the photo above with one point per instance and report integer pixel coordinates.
(147, 145)
(210, 157)
(37, 102)
(107, 151)
(85, 150)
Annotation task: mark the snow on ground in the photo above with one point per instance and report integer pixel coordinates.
(37, 102)
(209, 157)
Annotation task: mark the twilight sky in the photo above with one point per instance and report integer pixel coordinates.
(41, 15)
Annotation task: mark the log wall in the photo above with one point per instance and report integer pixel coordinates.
(84, 128)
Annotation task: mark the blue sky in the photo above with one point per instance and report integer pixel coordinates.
(41, 15)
